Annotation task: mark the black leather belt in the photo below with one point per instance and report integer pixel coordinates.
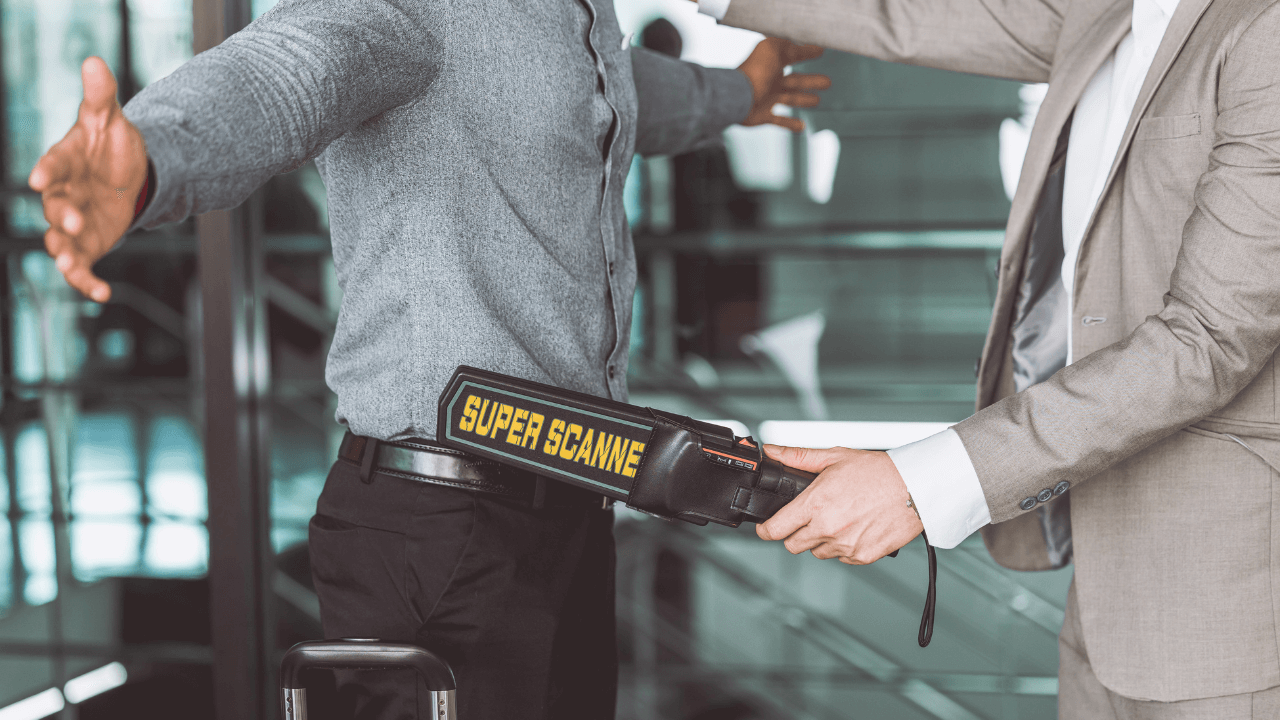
(428, 462)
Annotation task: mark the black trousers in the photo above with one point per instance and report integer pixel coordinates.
(519, 601)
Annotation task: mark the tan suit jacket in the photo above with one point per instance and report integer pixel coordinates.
(1176, 525)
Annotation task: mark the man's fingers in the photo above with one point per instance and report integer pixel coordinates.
(99, 85)
(58, 245)
(80, 277)
(799, 53)
(72, 221)
(826, 551)
(39, 179)
(792, 124)
(805, 81)
(796, 99)
(63, 215)
(803, 539)
(793, 516)
(75, 264)
(51, 169)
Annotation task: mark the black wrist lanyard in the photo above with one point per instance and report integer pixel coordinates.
(931, 597)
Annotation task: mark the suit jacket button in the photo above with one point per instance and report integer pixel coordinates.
(1027, 503)
(1045, 495)
(1061, 487)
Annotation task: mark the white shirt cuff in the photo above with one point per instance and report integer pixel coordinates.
(714, 8)
(942, 482)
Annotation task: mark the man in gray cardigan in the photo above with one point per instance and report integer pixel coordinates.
(474, 156)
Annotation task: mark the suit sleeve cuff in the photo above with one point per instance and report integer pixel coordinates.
(714, 8)
(944, 486)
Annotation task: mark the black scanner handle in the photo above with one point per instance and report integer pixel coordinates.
(774, 474)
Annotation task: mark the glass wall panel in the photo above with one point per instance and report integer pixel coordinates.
(103, 480)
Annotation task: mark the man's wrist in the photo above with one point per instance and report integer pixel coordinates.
(146, 194)
(943, 486)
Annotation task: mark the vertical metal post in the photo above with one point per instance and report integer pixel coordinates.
(18, 575)
(126, 83)
(662, 294)
(236, 441)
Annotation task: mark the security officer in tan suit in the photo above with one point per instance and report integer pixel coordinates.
(1128, 410)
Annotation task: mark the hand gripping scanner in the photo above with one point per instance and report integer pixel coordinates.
(656, 462)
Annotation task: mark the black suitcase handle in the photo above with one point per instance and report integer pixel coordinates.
(361, 654)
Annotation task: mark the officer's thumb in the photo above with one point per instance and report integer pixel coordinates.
(807, 459)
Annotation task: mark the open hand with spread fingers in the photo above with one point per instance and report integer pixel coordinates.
(770, 86)
(856, 509)
(89, 182)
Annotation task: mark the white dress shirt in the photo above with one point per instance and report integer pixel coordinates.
(937, 470)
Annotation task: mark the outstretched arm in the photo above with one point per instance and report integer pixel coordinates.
(1014, 39)
(262, 103)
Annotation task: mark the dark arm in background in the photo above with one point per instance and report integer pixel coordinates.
(683, 106)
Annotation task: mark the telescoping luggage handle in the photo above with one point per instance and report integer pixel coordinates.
(362, 654)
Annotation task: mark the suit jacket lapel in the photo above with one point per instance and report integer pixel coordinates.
(1070, 75)
(1183, 22)
(1067, 81)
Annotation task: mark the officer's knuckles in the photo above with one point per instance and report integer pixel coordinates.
(847, 551)
(827, 525)
(836, 487)
(860, 556)
(793, 546)
(825, 552)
